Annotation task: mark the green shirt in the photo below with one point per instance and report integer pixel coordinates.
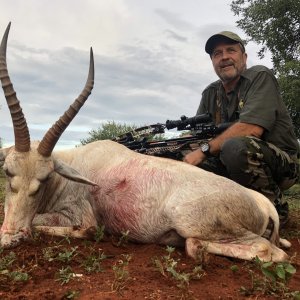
(255, 100)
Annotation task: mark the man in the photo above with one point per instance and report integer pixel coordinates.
(260, 149)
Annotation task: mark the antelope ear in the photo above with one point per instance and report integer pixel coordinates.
(68, 172)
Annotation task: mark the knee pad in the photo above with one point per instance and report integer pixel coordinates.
(234, 153)
(234, 156)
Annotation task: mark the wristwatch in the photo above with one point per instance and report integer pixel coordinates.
(205, 148)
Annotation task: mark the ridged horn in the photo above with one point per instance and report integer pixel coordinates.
(22, 137)
(50, 139)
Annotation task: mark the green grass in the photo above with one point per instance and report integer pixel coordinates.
(294, 191)
(292, 228)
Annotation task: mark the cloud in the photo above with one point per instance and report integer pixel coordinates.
(176, 36)
(150, 64)
(132, 88)
(174, 19)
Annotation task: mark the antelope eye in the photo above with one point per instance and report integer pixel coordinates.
(13, 190)
(12, 185)
(43, 180)
(8, 174)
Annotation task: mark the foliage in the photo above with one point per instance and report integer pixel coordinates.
(234, 268)
(6, 264)
(99, 234)
(52, 254)
(18, 276)
(123, 238)
(168, 267)
(92, 263)
(274, 272)
(293, 191)
(67, 255)
(71, 295)
(121, 273)
(64, 275)
(275, 24)
(107, 131)
(111, 129)
(289, 81)
(272, 280)
(7, 261)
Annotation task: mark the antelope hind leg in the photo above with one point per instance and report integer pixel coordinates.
(246, 250)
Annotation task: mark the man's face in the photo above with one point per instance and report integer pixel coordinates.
(229, 61)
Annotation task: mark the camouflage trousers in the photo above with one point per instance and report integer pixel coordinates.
(258, 165)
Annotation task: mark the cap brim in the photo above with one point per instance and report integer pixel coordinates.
(214, 39)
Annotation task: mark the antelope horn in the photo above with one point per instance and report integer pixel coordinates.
(50, 139)
(22, 137)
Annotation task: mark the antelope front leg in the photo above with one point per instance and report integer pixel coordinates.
(71, 231)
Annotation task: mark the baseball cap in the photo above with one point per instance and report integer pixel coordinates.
(222, 36)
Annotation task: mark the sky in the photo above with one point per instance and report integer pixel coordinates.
(150, 63)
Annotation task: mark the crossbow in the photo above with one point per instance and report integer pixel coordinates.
(200, 127)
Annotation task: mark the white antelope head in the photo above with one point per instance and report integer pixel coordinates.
(28, 165)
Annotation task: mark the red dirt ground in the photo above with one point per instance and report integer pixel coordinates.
(144, 281)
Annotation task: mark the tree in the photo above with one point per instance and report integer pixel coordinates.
(107, 131)
(275, 25)
(289, 81)
(110, 130)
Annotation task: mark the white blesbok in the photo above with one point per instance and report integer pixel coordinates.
(157, 200)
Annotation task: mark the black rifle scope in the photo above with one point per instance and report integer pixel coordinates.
(191, 122)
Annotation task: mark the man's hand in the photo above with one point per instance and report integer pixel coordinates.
(238, 129)
(195, 157)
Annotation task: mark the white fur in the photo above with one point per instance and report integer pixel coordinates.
(156, 199)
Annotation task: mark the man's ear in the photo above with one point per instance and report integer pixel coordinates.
(68, 172)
